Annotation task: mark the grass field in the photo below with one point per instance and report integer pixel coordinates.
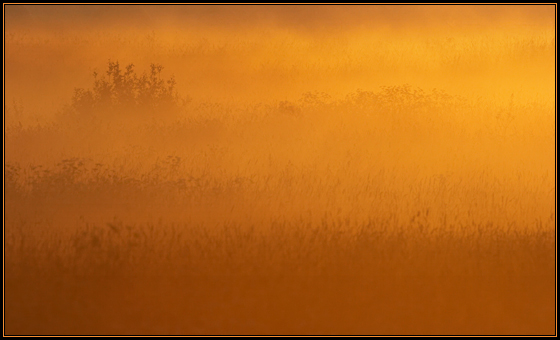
(355, 183)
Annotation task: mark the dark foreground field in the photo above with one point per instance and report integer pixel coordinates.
(225, 263)
(280, 304)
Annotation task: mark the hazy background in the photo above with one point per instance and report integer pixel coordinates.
(280, 169)
(264, 53)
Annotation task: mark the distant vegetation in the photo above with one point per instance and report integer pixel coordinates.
(120, 91)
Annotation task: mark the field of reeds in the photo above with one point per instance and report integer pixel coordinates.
(332, 197)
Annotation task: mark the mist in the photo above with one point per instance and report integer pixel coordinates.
(249, 169)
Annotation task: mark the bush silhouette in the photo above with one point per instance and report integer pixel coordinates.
(120, 91)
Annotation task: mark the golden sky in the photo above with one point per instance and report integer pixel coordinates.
(309, 18)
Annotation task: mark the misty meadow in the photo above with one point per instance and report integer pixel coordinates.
(279, 170)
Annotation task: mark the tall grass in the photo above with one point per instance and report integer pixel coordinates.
(398, 187)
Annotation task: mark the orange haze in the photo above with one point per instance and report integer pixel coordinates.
(282, 169)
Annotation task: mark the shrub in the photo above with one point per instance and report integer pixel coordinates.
(120, 91)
